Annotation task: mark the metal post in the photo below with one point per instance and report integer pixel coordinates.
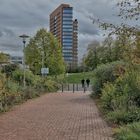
(73, 88)
(24, 82)
(23, 60)
(77, 87)
(62, 88)
(84, 88)
(68, 87)
(42, 61)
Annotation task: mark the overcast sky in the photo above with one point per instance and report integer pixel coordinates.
(27, 16)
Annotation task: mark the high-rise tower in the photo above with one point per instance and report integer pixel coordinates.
(65, 29)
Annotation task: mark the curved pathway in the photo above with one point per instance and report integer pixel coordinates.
(56, 116)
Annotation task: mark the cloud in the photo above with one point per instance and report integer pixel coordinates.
(6, 32)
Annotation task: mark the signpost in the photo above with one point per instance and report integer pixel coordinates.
(44, 71)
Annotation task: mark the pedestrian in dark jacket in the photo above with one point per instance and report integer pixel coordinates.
(87, 81)
(83, 82)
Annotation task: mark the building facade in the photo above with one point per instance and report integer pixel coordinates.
(65, 29)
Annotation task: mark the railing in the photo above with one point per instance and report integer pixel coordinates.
(74, 87)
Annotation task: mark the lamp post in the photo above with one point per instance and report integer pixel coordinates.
(42, 53)
(24, 37)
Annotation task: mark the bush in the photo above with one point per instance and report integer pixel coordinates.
(128, 132)
(121, 100)
(29, 93)
(30, 78)
(12, 87)
(124, 116)
(50, 86)
(2, 81)
(107, 73)
(8, 69)
(8, 99)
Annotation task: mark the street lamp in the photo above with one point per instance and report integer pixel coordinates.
(24, 37)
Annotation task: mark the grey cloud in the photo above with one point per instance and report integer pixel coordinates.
(1, 33)
(6, 32)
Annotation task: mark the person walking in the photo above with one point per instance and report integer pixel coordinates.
(88, 82)
(83, 82)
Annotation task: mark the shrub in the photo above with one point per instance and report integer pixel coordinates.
(2, 81)
(128, 132)
(29, 93)
(121, 99)
(107, 73)
(11, 86)
(8, 99)
(30, 78)
(50, 86)
(124, 116)
(8, 69)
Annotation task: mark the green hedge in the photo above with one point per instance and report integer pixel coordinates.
(107, 73)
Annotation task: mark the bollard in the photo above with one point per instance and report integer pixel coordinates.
(62, 88)
(77, 87)
(73, 88)
(84, 89)
(68, 87)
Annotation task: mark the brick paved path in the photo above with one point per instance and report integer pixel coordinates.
(58, 116)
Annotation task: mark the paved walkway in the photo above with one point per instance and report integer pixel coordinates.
(58, 116)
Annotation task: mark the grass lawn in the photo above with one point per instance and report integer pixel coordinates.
(77, 77)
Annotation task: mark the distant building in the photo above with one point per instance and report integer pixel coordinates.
(65, 29)
(16, 59)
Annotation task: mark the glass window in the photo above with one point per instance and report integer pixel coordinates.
(67, 30)
(67, 22)
(67, 43)
(67, 51)
(67, 40)
(67, 33)
(68, 10)
(67, 18)
(67, 47)
(67, 15)
(67, 26)
(68, 57)
(67, 37)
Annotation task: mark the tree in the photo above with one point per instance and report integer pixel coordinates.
(44, 50)
(4, 58)
(128, 36)
(129, 9)
(91, 59)
(100, 53)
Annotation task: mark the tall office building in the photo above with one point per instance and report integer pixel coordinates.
(65, 29)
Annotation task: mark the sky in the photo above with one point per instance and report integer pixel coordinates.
(27, 16)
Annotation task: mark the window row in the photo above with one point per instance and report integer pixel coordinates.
(67, 43)
(67, 47)
(68, 10)
(67, 22)
(67, 26)
(67, 16)
(67, 52)
(67, 33)
(65, 38)
(67, 30)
